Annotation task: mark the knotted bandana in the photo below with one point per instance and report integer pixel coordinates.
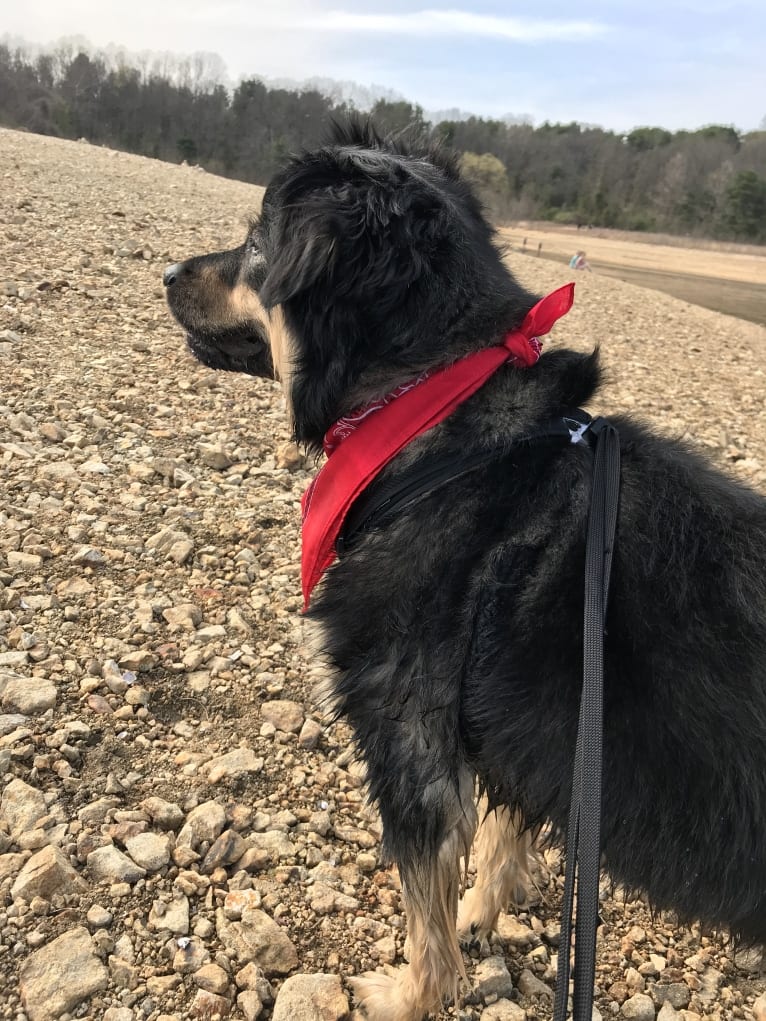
(359, 445)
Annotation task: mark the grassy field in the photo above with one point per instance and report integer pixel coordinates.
(726, 278)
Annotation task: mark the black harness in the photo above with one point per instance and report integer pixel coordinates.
(383, 500)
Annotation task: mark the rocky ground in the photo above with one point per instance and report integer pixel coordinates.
(181, 834)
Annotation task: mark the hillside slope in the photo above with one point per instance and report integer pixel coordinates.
(198, 831)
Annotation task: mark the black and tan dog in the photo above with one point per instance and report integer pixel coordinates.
(455, 625)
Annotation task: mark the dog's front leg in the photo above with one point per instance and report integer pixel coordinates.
(431, 887)
(502, 872)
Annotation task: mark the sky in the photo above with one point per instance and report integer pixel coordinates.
(616, 63)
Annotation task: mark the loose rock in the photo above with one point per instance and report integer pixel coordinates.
(27, 695)
(258, 938)
(311, 998)
(21, 806)
(46, 873)
(638, 1008)
(61, 975)
(110, 864)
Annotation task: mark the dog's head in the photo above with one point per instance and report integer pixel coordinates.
(371, 261)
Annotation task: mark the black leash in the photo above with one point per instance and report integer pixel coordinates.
(583, 854)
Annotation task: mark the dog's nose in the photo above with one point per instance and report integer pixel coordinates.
(171, 274)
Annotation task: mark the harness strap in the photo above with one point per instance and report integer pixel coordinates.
(385, 499)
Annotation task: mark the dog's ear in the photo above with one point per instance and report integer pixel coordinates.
(368, 226)
(305, 250)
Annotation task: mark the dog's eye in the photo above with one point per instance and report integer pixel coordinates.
(250, 245)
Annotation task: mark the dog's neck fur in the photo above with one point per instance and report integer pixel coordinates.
(329, 382)
(510, 404)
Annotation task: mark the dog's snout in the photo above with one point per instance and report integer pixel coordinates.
(171, 274)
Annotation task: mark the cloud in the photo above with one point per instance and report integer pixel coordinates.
(457, 23)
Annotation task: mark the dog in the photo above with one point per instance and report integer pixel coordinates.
(455, 625)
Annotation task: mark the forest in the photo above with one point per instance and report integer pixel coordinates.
(708, 182)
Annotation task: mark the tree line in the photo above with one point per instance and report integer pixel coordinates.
(709, 182)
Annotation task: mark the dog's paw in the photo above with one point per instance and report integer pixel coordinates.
(478, 913)
(388, 996)
(473, 923)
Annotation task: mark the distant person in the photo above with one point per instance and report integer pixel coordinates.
(578, 261)
(524, 246)
(539, 248)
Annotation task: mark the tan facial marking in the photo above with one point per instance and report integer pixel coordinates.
(244, 305)
(281, 346)
(222, 307)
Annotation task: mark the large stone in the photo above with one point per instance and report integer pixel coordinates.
(165, 814)
(21, 806)
(190, 957)
(226, 850)
(677, 994)
(163, 540)
(284, 715)
(186, 615)
(258, 938)
(289, 455)
(61, 975)
(249, 1002)
(20, 561)
(214, 457)
(28, 695)
(504, 1010)
(111, 865)
(639, 1008)
(311, 998)
(10, 722)
(207, 1005)
(273, 845)
(492, 978)
(149, 850)
(172, 917)
(513, 931)
(46, 873)
(233, 764)
(203, 824)
(11, 865)
(530, 985)
(311, 732)
(212, 978)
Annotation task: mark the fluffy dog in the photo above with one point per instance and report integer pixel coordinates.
(455, 625)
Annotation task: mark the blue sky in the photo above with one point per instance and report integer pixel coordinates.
(618, 63)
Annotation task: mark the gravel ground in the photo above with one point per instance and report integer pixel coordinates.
(180, 830)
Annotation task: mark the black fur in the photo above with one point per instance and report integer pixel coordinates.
(456, 630)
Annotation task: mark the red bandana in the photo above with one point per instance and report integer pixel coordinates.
(361, 444)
